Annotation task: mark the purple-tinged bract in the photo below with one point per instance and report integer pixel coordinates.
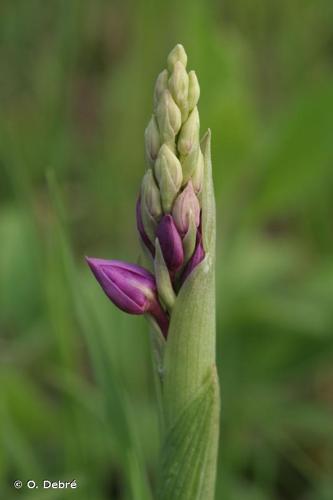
(195, 260)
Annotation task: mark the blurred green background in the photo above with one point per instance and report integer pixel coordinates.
(76, 383)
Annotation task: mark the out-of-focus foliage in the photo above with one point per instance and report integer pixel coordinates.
(77, 389)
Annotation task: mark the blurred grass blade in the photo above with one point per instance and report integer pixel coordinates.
(117, 411)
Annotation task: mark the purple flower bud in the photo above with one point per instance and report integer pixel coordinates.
(141, 229)
(196, 258)
(171, 243)
(130, 287)
(186, 203)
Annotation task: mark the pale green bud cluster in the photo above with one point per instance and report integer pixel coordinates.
(172, 142)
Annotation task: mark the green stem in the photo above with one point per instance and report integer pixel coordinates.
(191, 402)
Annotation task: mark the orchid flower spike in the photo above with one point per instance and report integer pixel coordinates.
(168, 208)
(175, 217)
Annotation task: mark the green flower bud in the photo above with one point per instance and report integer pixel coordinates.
(197, 177)
(178, 85)
(151, 195)
(168, 118)
(162, 277)
(177, 54)
(151, 209)
(152, 141)
(189, 134)
(193, 90)
(168, 172)
(189, 163)
(160, 86)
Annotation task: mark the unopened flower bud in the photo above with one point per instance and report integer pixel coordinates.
(185, 204)
(130, 287)
(151, 195)
(152, 141)
(144, 237)
(168, 117)
(160, 86)
(151, 209)
(189, 134)
(168, 172)
(193, 90)
(197, 177)
(177, 54)
(171, 243)
(178, 85)
(189, 163)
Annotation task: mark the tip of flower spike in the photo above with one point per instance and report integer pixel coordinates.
(177, 54)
